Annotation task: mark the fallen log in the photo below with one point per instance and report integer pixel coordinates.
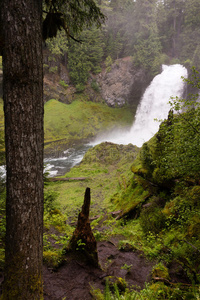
(66, 178)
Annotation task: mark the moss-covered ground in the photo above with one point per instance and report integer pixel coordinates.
(81, 120)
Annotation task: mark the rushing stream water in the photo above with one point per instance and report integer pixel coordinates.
(70, 158)
(153, 105)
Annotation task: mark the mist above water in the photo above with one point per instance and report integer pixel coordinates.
(153, 105)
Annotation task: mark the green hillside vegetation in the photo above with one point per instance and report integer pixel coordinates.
(81, 120)
(155, 192)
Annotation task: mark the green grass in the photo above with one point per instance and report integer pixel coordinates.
(81, 119)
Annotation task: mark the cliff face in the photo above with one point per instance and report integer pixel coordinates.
(123, 84)
(57, 86)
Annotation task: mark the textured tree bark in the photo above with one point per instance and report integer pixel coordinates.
(23, 108)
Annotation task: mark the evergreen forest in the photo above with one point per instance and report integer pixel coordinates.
(151, 32)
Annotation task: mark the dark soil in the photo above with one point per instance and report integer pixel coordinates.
(74, 279)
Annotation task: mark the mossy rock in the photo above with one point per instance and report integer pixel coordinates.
(194, 227)
(126, 247)
(140, 171)
(160, 290)
(112, 281)
(51, 258)
(110, 153)
(194, 195)
(160, 271)
(170, 208)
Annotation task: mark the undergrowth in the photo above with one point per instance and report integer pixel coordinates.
(158, 291)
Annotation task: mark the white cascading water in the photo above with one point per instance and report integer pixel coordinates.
(153, 105)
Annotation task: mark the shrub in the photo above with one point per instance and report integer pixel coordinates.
(50, 198)
(53, 69)
(52, 258)
(152, 219)
(80, 88)
(95, 86)
(108, 63)
(63, 83)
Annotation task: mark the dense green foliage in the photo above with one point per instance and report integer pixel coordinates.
(176, 150)
(85, 57)
(152, 32)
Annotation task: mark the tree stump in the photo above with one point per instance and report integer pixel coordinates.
(83, 241)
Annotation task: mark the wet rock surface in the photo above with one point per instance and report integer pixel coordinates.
(123, 84)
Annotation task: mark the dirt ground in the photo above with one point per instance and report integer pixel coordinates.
(74, 279)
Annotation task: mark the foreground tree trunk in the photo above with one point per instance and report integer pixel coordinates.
(23, 107)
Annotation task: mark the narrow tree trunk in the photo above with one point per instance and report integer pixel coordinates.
(83, 239)
(23, 107)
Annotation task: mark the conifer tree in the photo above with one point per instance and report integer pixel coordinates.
(21, 35)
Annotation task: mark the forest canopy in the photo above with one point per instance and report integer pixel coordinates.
(151, 32)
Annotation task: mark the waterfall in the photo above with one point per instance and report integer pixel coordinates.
(155, 102)
(153, 105)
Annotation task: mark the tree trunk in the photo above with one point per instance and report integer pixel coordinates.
(83, 240)
(23, 108)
